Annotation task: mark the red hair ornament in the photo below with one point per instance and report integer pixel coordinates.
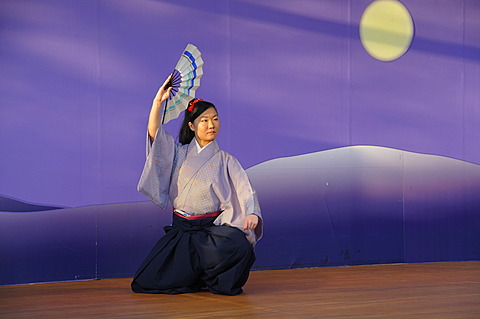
(192, 104)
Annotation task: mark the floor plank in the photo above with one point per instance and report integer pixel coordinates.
(430, 290)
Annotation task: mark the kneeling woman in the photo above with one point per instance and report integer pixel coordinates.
(216, 219)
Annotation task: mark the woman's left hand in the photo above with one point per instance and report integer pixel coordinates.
(251, 222)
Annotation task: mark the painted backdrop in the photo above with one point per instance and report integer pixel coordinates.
(355, 160)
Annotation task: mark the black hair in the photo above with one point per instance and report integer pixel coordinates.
(186, 135)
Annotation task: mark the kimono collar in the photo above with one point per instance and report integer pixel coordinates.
(195, 161)
(208, 151)
(199, 148)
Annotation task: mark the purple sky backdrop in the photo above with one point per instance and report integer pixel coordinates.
(289, 78)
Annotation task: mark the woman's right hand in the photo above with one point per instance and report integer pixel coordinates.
(162, 93)
(155, 112)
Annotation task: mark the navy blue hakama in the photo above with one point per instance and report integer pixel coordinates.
(195, 255)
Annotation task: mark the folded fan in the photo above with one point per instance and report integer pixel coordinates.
(184, 82)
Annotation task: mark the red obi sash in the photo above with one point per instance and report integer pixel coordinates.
(193, 217)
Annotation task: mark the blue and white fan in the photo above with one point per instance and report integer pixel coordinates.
(185, 81)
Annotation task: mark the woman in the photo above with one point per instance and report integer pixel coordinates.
(216, 220)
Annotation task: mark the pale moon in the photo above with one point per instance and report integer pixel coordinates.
(386, 29)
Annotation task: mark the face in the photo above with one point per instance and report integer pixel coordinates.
(206, 126)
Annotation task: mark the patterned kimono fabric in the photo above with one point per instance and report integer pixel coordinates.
(204, 248)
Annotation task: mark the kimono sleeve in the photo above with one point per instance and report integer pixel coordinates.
(157, 172)
(245, 193)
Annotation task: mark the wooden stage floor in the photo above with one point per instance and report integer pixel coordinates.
(430, 290)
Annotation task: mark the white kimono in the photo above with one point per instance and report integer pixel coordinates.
(199, 183)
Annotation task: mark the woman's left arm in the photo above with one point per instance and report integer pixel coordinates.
(251, 222)
(246, 195)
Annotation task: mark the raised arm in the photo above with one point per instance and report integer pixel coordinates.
(156, 110)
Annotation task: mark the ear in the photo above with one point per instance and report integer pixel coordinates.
(191, 126)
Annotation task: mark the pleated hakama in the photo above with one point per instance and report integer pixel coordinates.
(196, 255)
